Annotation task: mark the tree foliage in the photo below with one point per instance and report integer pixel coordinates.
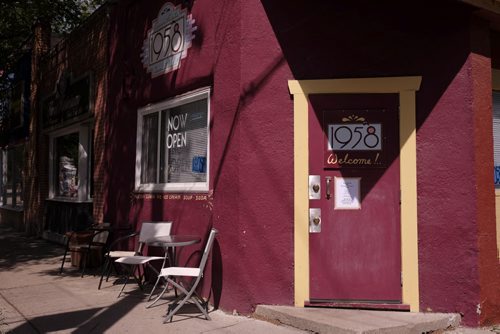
(18, 17)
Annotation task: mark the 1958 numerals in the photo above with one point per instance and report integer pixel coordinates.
(167, 41)
(347, 137)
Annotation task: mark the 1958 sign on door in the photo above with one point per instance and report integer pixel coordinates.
(354, 141)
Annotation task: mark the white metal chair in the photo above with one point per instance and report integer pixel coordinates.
(134, 262)
(112, 254)
(188, 293)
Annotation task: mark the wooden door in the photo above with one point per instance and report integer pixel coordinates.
(354, 153)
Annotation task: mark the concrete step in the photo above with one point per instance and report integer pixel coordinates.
(344, 321)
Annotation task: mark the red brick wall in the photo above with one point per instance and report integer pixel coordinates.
(84, 51)
(33, 217)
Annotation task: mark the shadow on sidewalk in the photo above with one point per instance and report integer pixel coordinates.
(16, 248)
(93, 320)
(20, 251)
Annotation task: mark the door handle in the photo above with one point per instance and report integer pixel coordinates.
(328, 181)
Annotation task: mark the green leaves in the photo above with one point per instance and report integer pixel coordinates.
(18, 17)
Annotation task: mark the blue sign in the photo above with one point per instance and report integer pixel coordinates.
(199, 165)
(497, 175)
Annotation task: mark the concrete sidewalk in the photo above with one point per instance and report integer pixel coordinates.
(329, 320)
(34, 298)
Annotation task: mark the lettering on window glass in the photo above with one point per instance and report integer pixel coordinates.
(176, 125)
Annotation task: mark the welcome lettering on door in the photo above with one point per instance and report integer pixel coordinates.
(353, 141)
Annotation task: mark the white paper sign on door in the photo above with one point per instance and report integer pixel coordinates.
(347, 193)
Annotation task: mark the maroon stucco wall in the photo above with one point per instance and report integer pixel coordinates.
(482, 59)
(246, 51)
(250, 198)
(392, 41)
(448, 253)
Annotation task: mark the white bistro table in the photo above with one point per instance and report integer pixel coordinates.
(172, 242)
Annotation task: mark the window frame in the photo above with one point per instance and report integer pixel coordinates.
(495, 75)
(184, 187)
(15, 179)
(495, 97)
(84, 153)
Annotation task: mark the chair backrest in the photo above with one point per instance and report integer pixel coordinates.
(153, 229)
(101, 233)
(208, 248)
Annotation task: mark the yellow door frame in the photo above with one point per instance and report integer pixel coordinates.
(406, 88)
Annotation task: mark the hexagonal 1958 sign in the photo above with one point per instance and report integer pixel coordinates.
(168, 40)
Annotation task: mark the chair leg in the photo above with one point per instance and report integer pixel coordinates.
(159, 295)
(111, 267)
(129, 272)
(202, 305)
(63, 260)
(105, 269)
(154, 288)
(188, 295)
(83, 261)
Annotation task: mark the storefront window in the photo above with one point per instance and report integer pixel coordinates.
(66, 178)
(91, 169)
(71, 164)
(172, 150)
(12, 176)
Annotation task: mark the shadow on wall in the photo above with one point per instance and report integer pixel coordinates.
(427, 39)
(216, 286)
(388, 43)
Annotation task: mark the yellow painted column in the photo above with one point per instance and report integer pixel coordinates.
(408, 180)
(301, 199)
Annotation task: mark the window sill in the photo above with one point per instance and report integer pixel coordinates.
(12, 208)
(65, 200)
(171, 191)
(177, 188)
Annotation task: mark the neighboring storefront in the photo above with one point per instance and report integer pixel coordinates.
(15, 113)
(69, 128)
(343, 151)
